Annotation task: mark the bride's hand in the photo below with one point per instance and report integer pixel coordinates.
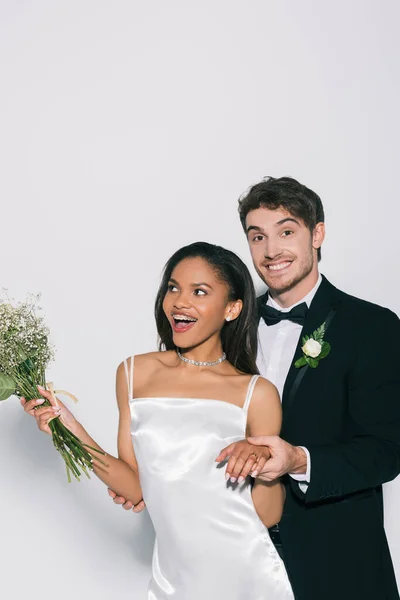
(126, 504)
(45, 414)
(244, 459)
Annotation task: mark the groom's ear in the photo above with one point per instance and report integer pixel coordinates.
(318, 235)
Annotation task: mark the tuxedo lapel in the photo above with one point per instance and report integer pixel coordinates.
(322, 308)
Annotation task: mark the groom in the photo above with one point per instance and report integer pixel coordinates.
(340, 392)
(340, 438)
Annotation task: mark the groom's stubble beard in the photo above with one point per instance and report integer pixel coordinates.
(305, 267)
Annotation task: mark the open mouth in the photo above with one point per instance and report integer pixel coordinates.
(278, 267)
(182, 323)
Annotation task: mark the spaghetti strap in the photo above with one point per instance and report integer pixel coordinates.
(129, 377)
(250, 389)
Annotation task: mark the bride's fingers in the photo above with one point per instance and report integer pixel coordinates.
(259, 466)
(247, 467)
(235, 464)
(139, 507)
(44, 409)
(45, 417)
(34, 408)
(46, 394)
(225, 452)
(248, 461)
(119, 500)
(29, 405)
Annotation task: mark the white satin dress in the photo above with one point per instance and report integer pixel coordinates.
(210, 543)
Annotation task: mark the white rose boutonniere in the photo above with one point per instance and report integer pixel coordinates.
(314, 349)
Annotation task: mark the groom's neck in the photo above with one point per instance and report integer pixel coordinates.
(297, 293)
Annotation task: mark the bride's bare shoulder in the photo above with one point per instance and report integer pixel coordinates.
(265, 389)
(145, 366)
(150, 361)
(155, 359)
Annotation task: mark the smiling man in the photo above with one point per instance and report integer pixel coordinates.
(340, 439)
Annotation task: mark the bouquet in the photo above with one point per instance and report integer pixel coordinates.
(25, 354)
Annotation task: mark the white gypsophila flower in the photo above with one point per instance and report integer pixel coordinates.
(312, 348)
(23, 335)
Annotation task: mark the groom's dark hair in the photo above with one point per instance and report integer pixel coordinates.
(286, 193)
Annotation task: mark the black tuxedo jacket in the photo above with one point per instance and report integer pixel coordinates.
(347, 413)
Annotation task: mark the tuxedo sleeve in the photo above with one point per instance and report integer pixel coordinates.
(371, 456)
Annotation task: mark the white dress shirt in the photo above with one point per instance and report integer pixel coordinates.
(276, 347)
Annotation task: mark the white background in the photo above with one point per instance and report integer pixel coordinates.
(128, 129)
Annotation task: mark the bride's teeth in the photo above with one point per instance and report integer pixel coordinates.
(184, 318)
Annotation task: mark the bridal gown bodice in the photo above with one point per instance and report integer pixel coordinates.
(210, 543)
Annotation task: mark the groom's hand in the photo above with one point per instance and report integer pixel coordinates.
(285, 458)
(126, 504)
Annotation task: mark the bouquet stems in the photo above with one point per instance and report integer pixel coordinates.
(75, 453)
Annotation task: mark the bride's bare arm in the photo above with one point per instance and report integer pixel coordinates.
(265, 414)
(120, 474)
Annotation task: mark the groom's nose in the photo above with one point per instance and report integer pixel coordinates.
(272, 249)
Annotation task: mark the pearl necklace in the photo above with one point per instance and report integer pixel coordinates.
(199, 363)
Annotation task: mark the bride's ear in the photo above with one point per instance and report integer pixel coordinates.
(233, 310)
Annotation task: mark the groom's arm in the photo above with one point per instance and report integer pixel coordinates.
(372, 456)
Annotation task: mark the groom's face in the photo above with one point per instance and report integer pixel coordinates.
(281, 247)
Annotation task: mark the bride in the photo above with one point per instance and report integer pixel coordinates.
(177, 409)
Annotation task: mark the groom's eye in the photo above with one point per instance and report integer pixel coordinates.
(287, 232)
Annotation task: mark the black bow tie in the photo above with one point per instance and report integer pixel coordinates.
(272, 316)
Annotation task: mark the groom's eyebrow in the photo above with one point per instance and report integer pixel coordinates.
(290, 219)
(277, 224)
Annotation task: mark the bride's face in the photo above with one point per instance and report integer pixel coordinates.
(196, 303)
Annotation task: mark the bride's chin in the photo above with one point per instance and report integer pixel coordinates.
(185, 343)
(181, 341)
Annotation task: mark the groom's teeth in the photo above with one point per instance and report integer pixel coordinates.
(278, 267)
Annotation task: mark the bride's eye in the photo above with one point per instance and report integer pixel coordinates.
(171, 287)
(199, 290)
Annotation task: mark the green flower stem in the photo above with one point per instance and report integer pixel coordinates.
(26, 386)
(72, 449)
(74, 453)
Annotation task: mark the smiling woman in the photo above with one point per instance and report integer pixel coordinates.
(181, 401)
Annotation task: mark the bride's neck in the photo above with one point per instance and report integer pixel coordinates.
(207, 352)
